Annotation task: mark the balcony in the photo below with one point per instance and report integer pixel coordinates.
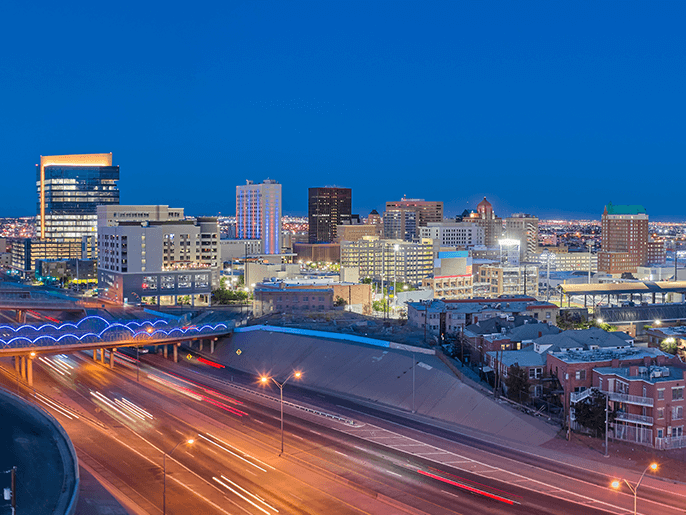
(631, 399)
(637, 419)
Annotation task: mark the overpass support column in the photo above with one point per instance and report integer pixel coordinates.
(17, 365)
(95, 355)
(102, 356)
(584, 300)
(175, 348)
(23, 368)
(200, 342)
(112, 351)
(164, 350)
(21, 316)
(29, 371)
(211, 345)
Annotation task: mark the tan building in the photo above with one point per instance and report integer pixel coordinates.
(310, 295)
(491, 224)
(452, 275)
(497, 280)
(427, 211)
(319, 252)
(356, 232)
(389, 260)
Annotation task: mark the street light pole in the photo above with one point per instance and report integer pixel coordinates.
(264, 380)
(634, 489)
(414, 362)
(164, 469)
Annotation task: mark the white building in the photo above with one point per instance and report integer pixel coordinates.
(159, 262)
(239, 249)
(523, 227)
(453, 234)
(258, 214)
(111, 215)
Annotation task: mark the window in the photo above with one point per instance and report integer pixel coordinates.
(678, 431)
(660, 432)
(581, 374)
(535, 373)
(678, 393)
(660, 394)
(677, 412)
(660, 413)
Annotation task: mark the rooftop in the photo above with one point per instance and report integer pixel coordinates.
(524, 358)
(625, 209)
(652, 374)
(600, 355)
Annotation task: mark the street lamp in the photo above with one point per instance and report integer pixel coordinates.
(634, 489)
(265, 380)
(190, 441)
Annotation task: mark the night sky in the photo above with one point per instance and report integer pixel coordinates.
(552, 108)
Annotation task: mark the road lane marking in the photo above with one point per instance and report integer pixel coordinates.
(244, 453)
(394, 473)
(341, 453)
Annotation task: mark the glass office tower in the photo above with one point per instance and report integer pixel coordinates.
(70, 189)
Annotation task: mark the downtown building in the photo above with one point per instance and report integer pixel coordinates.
(69, 190)
(159, 260)
(626, 242)
(389, 260)
(327, 208)
(491, 224)
(403, 218)
(258, 214)
(453, 234)
(524, 228)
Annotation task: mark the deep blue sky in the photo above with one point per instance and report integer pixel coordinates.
(553, 108)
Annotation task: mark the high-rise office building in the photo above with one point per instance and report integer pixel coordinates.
(427, 210)
(70, 189)
(327, 208)
(401, 224)
(523, 227)
(258, 214)
(625, 239)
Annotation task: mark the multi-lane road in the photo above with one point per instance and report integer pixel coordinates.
(122, 421)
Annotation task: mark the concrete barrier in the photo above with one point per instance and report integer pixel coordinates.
(66, 503)
(335, 336)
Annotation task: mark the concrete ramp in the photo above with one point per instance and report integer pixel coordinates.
(380, 375)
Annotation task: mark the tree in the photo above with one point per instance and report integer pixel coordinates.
(669, 346)
(339, 302)
(366, 280)
(590, 413)
(517, 382)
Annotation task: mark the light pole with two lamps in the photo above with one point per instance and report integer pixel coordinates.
(190, 441)
(265, 380)
(634, 489)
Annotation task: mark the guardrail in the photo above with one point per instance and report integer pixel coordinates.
(630, 417)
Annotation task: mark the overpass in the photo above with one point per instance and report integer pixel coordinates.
(25, 342)
(23, 300)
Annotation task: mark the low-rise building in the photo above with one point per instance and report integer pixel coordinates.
(355, 232)
(258, 272)
(498, 280)
(26, 251)
(452, 275)
(62, 270)
(317, 252)
(239, 249)
(268, 300)
(452, 316)
(669, 335)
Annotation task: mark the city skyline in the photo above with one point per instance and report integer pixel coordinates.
(523, 106)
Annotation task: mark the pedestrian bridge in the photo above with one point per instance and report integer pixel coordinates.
(26, 341)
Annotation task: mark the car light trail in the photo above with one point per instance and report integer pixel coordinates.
(471, 481)
(110, 404)
(468, 488)
(251, 494)
(240, 495)
(62, 411)
(232, 453)
(242, 452)
(50, 364)
(210, 363)
(225, 407)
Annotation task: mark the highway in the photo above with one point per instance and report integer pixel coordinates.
(382, 464)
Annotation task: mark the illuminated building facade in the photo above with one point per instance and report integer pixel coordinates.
(164, 262)
(523, 227)
(327, 208)
(491, 224)
(427, 210)
(70, 187)
(258, 214)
